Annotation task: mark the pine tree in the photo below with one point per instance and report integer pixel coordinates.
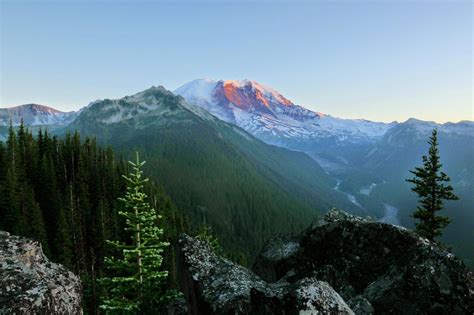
(13, 219)
(34, 220)
(429, 185)
(137, 284)
(205, 234)
(63, 192)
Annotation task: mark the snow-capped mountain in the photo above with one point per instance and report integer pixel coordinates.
(267, 114)
(364, 164)
(414, 130)
(35, 115)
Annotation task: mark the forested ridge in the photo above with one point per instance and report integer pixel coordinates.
(215, 172)
(63, 193)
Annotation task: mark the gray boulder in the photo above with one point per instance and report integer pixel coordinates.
(376, 267)
(31, 284)
(214, 285)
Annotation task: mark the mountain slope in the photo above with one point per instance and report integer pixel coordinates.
(367, 162)
(401, 149)
(270, 116)
(216, 172)
(370, 161)
(34, 115)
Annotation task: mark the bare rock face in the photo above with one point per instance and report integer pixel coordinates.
(214, 285)
(376, 267)
(31, 284)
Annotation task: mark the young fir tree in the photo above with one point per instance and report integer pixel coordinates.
(429, 185)
(205, 234)
(137, 284)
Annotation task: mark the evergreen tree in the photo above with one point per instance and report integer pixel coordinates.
(137, 284)
(13, 220)
(63, 193)
(429, 185)
(205, 234)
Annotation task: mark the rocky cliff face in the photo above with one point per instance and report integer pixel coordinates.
(342, 264)
(373, 266)
(31, 284)
(214, 285)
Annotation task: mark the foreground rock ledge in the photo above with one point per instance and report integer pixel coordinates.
(31, 284)
(375, 267)
(214, 285)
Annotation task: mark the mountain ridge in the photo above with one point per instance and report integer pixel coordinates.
(217, 172)
(268, 115)
(369, 175)
(198, 90)
(34, 115)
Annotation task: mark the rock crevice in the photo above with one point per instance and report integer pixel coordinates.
(214, 285)
(342, 264)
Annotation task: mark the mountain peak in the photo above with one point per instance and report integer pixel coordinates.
(246, 95)
(151, 91)
(150, 105)
(412, 121)
(197, 89)
(267, 114)
(34, 115)
(240, 91)
(33, 107)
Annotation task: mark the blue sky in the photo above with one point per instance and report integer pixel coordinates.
(386, 60)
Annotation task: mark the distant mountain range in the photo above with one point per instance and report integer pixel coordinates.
(364, 163)
(258, 109)
(35, 115)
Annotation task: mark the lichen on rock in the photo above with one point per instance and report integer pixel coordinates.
(376, 267)
(214, 285)
(31, 284)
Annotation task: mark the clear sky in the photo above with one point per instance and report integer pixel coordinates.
(379, 60)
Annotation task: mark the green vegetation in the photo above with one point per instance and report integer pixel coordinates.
(388, 164)
(63, 193)
(205, 235)
(138, 281)
(216, 173)
(429, 186)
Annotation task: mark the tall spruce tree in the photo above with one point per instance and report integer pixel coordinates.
(429, 185)
(137, 281)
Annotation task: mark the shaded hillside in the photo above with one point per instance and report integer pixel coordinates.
(216, 172)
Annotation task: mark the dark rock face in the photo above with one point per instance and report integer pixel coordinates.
(375, 267)
(31, 284)
(214, 285)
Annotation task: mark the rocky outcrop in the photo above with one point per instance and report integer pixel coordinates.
(214, 285)
(31, 284)
(375, 267)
